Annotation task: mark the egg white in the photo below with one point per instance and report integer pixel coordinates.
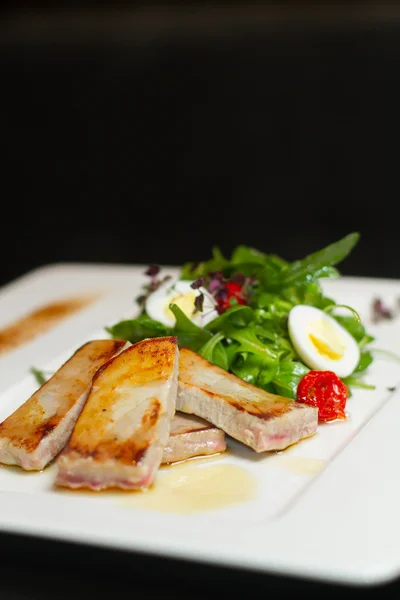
(307, 323)
(180, 292)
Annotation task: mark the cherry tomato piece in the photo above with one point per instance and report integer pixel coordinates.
(326, 391)
(233, 290)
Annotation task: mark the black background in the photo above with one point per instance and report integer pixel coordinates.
(152, 134)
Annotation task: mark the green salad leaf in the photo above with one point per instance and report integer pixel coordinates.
(254, 293)
(214, 351)
(314, 264)
(189, 334)
(39, 375)
(192, 270)
(287, 379)
(138, 329)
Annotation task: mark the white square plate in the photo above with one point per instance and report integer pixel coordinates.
(327, 508)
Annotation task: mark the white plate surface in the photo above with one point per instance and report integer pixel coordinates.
(325, 509)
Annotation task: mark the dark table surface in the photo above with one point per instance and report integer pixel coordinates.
(44, 570)
(152, 134)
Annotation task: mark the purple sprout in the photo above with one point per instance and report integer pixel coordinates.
(221, 295)
(152, 270)
(198, 283)
(380, 312)
(214, 285)
(198, 303)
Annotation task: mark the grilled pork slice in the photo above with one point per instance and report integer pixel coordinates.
(119, 439)
(260, 420)
(191, 436)
(36, 432)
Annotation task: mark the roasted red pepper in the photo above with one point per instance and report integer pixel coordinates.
(231, 290)
(326, 391)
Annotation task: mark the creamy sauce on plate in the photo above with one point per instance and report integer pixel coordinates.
(192, 487)
(303, 465)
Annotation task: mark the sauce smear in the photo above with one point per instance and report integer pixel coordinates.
(190, 488)
(304, 465)
(39, 321)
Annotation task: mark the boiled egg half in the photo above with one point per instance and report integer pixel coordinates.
(321, 342)
(181, 293)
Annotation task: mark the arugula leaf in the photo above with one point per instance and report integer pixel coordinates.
(277, 262)
(273, 302)
(245, 254)
(135, 330)
(364, 362)
(249, 342)
(356, 382)
(313, 263)
(188, 333)
(214, 351)
(40, 376)
(352, 325)
(231, 349)
(220, 356)
(266, 330)
(326, 271)
(192, 270)
(255, 370)
(284, 348)
(269, 370)
(247, 261)
(246, 366)
(310, 293)
(287, 379)
(238, 316)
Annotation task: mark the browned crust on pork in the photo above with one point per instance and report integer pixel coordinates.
(25, 428)
(270, 406)
(141, 363)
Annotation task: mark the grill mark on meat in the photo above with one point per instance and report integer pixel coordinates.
(105, 356)
(129, 451)
(151, 415)
(259, 419)
(124, 427)
(47, 427)
(42, 431)
(154, 363)
(28, 435)
(33, 434)
(255, 409)
(277, 410)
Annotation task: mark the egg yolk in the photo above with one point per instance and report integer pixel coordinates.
(326, 340)
(185, 303)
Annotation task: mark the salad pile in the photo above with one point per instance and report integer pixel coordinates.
(260, 317)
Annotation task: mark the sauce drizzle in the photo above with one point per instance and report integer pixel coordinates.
(39, 321)
(191, 488)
